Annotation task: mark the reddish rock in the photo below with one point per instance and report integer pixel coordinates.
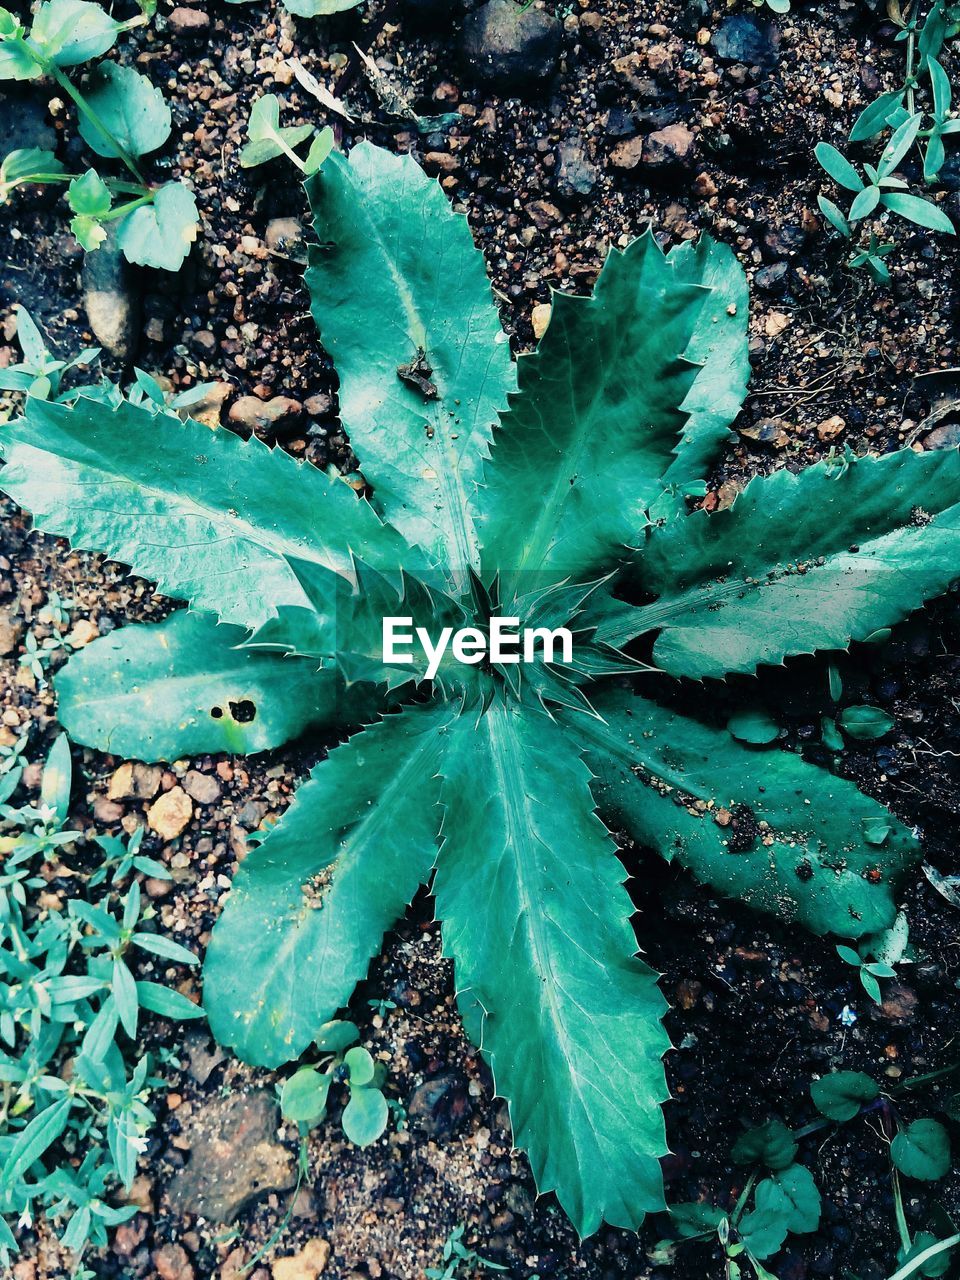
(671, 147)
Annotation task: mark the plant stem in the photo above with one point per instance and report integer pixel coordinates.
(291, 154)
(85, 109)
(911, 51)
(902, 1227)
(122, 210)
(741, 1202)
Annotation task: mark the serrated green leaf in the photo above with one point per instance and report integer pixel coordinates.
(160, 234)
(719, 345)
(68, 32)
(89, 232)
(593, 426)
(922, 1150)
(131, 109)
(182, 687)
(318, 894)
(667, 777)
(419, 402)
(535, 916)
(89, 195)
(798, 563)
(104, 478)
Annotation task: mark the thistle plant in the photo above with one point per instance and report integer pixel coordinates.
(549, 495)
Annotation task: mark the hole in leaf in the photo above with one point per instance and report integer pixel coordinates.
(217, 713)
(243, 711)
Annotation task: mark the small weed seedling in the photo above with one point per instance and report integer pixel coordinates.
(122, 117)
(457, 1259)
(303, 1098)
(73, 1116)
(919, 1149)
(874, 957)
(785, 1201)
(912, 125)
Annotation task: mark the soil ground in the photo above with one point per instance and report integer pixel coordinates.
(758, 1007)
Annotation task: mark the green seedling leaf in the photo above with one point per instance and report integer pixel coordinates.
(31, 1142)
(832, 739)
(90, 199)
(55, 781)
(26, 164)
(838, 167)
(770, 1144)
(267, 139)
(360, 1065)
(764, 1229)
(898, 146)
(865, 723)
(876, 116)
(159, 945)
(915, 209)
(365, 1116)
(835, 216)
(160, 234)
(922, 1150)
(134, 116)
(756, 727)
(335, 1037)
(68, 32)
(693, 1220)
(304, 1096)
(320, 148)
(840, 1095)
(319, 8)
(922, 1241)
(169, 1004)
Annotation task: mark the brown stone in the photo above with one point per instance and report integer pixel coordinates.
(543, 214)
(305, 1265)
(188, 21)
(669, 148)
(134, 780)
(235, 1157)
(540, 318)
(627, 154)
(266, 415)
(201, 787)
(440, 162)
(170, 814)
(172, 1263)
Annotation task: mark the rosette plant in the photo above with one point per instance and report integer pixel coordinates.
(553, 490)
